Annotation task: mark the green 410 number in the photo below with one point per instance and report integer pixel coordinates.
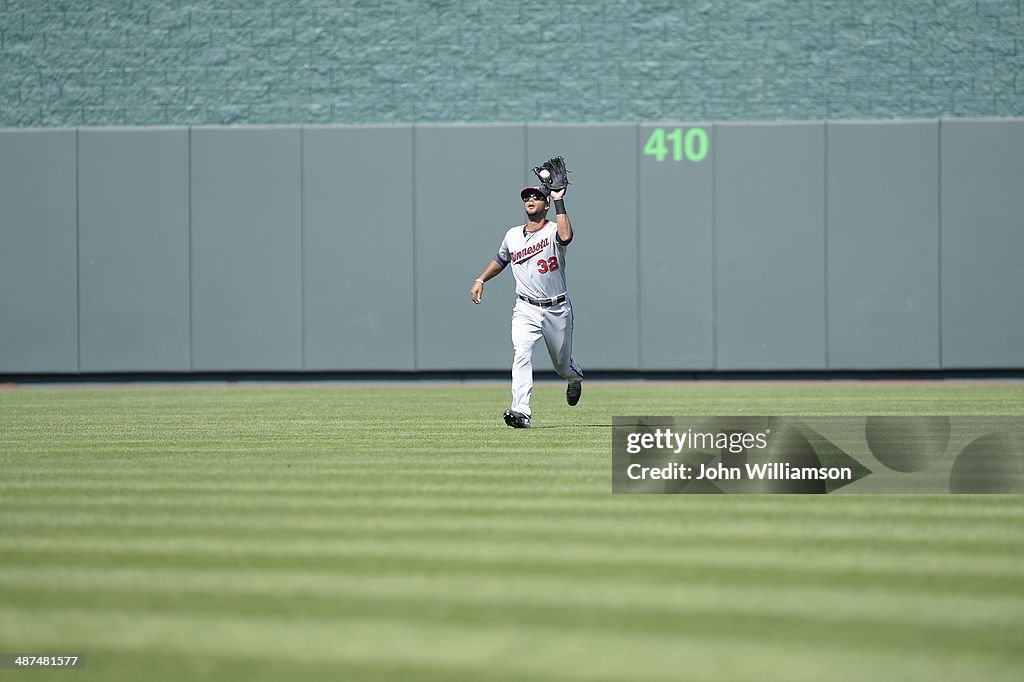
(692, 145)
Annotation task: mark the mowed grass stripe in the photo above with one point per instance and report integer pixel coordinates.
(535, 652)
(984, 575)
(570, 509)
(819, 615)
(508, 478)
(696, 592)
(370, 480)
(862, 559)
(269, 521)
(33, 484)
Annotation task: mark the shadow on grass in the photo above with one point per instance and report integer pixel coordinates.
(572, 426)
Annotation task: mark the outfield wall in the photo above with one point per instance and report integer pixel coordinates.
(766, 246)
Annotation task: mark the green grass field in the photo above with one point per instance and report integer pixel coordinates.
(402, 532)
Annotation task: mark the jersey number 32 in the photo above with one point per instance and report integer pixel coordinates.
(547, 264)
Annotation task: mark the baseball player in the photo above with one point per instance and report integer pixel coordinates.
(536, 252)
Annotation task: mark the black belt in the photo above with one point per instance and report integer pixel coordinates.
(544, 302)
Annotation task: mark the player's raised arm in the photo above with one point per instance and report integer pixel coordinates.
(476, 292)
(554, 175)
(562, 222)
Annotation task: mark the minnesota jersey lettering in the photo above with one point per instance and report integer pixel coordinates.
(529, 251)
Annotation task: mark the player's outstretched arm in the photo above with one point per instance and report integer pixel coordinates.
(476, 292)
(562, 222)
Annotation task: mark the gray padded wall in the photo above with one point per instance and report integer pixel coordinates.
(460, 222)
(246, 249)
(38, 252)
(601, 261)
(133, 199)
(883, 245)
(770, 246)
(358, 248)
(676, 239)
(232, 249)
(982, 243)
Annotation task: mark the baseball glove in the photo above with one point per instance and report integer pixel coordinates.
(553, 174)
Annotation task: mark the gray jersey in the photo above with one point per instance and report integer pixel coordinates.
(537, 259)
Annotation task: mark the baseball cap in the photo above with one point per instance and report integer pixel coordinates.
(540, 190)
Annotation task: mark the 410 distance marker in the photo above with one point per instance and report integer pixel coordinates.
(691, 145)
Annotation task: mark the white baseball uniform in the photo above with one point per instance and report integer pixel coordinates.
(543, 309)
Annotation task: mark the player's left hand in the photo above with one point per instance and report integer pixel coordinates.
(476, 293)
(553, 175)
(556, 195)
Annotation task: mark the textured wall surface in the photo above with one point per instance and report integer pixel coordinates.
(127, 62)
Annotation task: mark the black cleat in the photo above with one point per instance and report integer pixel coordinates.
(573, 392)
(517, 420)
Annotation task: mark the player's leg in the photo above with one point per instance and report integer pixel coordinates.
(558, 328)
(526, 332)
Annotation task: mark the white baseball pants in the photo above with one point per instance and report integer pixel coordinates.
(530, 323)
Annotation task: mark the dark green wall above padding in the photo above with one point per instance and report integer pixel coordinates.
(176, 62)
